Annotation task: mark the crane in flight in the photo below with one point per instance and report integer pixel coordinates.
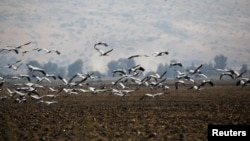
(33, 69)
(13, 65)
(48, 51)
(176, 64)
(15, 49)
(102, 53)
(134, 56)
(160, 53)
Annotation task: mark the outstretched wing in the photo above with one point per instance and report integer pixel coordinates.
(58, 52)
(100, 51)
(133, 56)
(108, 52)
(198, 67)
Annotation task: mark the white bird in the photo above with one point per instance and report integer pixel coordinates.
(33, 69)
(134, 56)
(182, 75)
(175, 64)
(127, 91)
(83, 90)
(29, 84)
(231, 73)
(16, 67)
(52, 89)
(157, 84)
(241, 73)
(151, 95)
(11, 93)
(95, 91)
(222, 70)
(117, 92)
(63, 79)
(29, 90)
(36, 97)
(49, 51)
(20, 93)
(51, 75)
(136, 68)
(9, 48)
(57, 51)
(13, 65)
(243, 81)
(179, 82)
(226, 73)
(68, 91)
(24, 76)
(120, 71)
(47, 102)
(15, 78)
(157, 76)
(50, 95)
(236, 74)
(160, 53)
(196, 70)
(204, 82)
(24, 52)
(102, 53)
(20, 46)
(40, 79)
(21, 99)
(197, 88)
(92, 89)
(125, 78)
(203, 75)
(83, 77)
(3, 98)
(122, 85)
(69, 82)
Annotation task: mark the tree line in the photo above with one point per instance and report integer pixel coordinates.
(220, 62)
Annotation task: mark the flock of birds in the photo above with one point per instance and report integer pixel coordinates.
(30, 85)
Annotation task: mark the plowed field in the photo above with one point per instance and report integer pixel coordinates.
(178, 115)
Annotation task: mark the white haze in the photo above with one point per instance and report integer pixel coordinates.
(192, 31)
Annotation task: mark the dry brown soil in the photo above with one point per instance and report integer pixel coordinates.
(179, 115)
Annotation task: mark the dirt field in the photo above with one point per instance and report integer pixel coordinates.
(178, 115)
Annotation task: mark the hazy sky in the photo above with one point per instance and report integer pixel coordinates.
(192, 31)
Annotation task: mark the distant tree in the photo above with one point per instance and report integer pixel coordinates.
(112, 65)
(51, 67)
(208, 69)
(190, 67)
(4, 61)
(220, 61)
(125, 63)
(75, 67)
(97, 74)
(150, 73)
(160, 68)
(61, 71)
(244, 67)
